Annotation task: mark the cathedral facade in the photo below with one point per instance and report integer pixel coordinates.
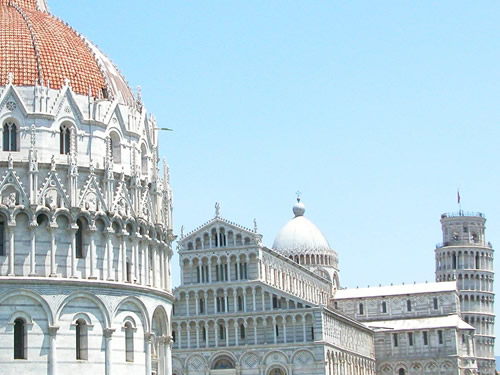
(85, 215)
(243, 308)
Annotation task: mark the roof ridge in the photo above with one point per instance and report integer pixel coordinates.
(33, 38)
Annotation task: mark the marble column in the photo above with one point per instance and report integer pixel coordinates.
(52, 350)
(93, 257)
(108, 332)
(109, 255)
(148, 337)
(53, 265)
(168, 355)
(33, 225)
(73, 231)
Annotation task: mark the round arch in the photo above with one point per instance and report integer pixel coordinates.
(140, 305)
(92, 297)
(35, 296)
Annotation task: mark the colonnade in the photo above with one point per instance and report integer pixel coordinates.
(137, 258)
(249, 330)
(194, 302)
(467, 259)
(339, 363)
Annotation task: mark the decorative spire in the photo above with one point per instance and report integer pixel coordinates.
(298, 195)
(53, 163)
(10, 78)
(166, 172)
(33, 153)
(255, 228)
(217, 209)
(299, 208)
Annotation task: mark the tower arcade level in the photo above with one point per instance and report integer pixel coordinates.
(465, 256)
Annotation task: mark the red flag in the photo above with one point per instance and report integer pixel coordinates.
(458, 197)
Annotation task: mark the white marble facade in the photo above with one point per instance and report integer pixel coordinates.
(243, 308)
(85, 235)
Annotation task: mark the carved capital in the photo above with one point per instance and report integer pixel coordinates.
(108, 332)
(52, 330)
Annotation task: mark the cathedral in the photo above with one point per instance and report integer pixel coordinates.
(243, 308)
(86, 241)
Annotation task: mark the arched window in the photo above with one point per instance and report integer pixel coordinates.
(384, 307)
(116, 147)
(20, 339)
(408, 305)
(81, 340)
(242, 331)
(79, 239)
(222, 332)
(223, 363)
(129, 342)
(9, 136)
(361, 309)
(276, 371)
(144, 160)
(2, 236)
(401, 371)
(64, 139)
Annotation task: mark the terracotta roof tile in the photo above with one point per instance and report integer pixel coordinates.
(26, 32)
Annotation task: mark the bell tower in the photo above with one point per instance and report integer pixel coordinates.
(465, 256)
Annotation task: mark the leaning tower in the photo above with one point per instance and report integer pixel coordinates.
(465, 256)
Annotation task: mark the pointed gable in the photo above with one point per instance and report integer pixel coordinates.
(12, 190)
(91, 197)
(53, 194)
(218, 233)
(122, 204)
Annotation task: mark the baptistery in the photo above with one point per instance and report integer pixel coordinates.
(85, 214)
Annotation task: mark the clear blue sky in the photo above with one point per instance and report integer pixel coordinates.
(376, 111)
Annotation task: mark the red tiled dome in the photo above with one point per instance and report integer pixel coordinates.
(36, 47)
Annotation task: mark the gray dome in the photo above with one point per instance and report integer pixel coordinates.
(301, 236)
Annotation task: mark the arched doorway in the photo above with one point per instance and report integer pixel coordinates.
(223, 365)
(277, 371)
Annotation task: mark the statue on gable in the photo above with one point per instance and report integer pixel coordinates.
(50, 200)
(91, 202)
(10, 199)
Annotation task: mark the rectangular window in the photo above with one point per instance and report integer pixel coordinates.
(198, 279)
(410, 338)
(240, 303)
(395, 339)
(440, 336)
(2, 231)
(205, 279)
(225, 272)
(408, 305)
(236, 270)
(277, 328)
(435, 303)
(312, 333)
(202, 305)
(426, 339)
